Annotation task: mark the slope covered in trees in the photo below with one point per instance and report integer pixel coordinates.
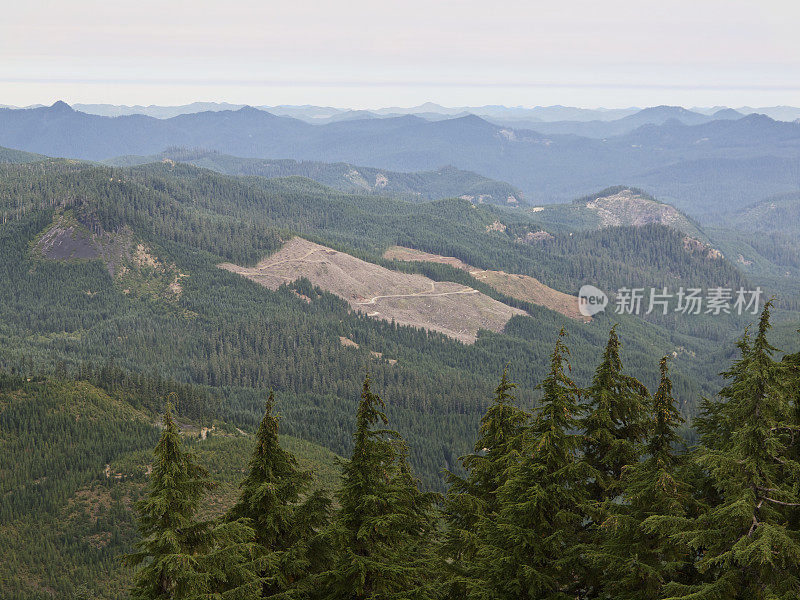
(221, 342)
(446, 182)
(75, 457)
(10, 156)
(238, 339)
(589, 494)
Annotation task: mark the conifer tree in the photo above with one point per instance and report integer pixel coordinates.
(286, 516)
(473, 498)
(791, 364)
(384, 526)
(531, 549)
(635, 552)
(747, 547)
(180, 557)
(229, 562)
(615, 427)
(171, 535)
(616, 423)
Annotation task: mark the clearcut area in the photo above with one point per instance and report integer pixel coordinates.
(450, 308)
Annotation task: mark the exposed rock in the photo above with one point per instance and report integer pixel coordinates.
(695, 246)
(347, 342)
(535, 236)
(496, 226)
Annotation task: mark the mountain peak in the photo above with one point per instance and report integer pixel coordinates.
(727, 113)
(757, 118)
(472, 119)
(61, 106)
(665, 111)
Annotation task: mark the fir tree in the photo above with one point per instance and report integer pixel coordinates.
(230, 562)
(615, 427)
(531, 549)
(617, 421)
(180, 557)
(635, 552)
(171, 535)
(746, 544)
(385, 526)
(285, 515)
(473, 498)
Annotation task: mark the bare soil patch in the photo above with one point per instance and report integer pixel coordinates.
(450, 308)
(521, 287)
(347, 342)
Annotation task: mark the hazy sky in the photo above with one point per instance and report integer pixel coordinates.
(362, 54)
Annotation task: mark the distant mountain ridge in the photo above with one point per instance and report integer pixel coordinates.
(430, 110)
(446, 182)
(656, 115)
(546, 167)
(778, 214)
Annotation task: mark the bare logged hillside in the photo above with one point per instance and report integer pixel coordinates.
(521, 287)
(629, 208)
(450, 308)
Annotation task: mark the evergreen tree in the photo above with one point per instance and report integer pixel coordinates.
(791, 364)
(473, 498)
(171, 536)
(180, 557)
(384, 530)
(748, 549)
(286, 517)
(615, 427)
(635, 552)
(531, 549)
(230, 562)
(617, 421)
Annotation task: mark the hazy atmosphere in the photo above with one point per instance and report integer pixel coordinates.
(359, 54)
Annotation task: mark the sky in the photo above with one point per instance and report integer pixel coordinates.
(370, 54)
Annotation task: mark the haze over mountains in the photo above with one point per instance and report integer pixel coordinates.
(447, 182)
(706, 165)
(431, 110)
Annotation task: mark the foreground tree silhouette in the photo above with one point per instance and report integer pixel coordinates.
(383, 533)
(617, 421)
(285, 515)
(474, 498)
(615, 427)
(531, 549)
(178, 556)
(636, 554)
(747, 546)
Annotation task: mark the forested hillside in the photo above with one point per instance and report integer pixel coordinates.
(447, 182)
(414, 300)
(76, 456)
(8, 155)
(113, 301)
(594, 471)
